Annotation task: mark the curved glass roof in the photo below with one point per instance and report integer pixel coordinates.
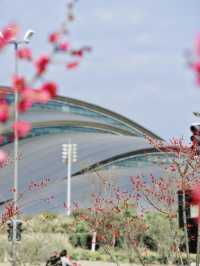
(66, 107)
(101, 115)
(60, 127)
(140, 160)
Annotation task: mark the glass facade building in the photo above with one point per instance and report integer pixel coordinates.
(107, 142)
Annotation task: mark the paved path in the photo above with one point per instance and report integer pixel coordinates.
(82, 263)
(100, 263)
(91, 263)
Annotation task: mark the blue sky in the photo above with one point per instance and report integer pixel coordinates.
(137, 67)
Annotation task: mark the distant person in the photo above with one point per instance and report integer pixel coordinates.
(60, 260)
(54, 260)
(64, 258)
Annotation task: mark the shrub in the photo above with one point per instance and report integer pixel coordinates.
(119, 242)
(81, 227)
(81, 240)
(150, 243)
(74, 240)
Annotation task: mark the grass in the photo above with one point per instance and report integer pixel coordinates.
(46, 234)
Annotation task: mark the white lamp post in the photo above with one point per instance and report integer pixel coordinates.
(69, 156)
(27, 37)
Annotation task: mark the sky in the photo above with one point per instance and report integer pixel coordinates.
(137, 67)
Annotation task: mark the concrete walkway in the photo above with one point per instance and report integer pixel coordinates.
(90, 263)
(100, 263)
(82, 263)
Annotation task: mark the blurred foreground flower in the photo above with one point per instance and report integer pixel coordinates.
(3, 157)
(24, 53)
(72, 65)
(4, 112)
(7, 34)
(54, 37)
(42, 64)
(19, 83)
(50, 87)
(21, 128)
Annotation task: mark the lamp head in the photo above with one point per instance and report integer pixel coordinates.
(28, 35)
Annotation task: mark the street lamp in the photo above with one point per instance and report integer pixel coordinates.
(27, 37)
(69, 156)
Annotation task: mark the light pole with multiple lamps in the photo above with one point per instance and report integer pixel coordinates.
(69, 156)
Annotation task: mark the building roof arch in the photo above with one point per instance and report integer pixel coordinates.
(104, 114)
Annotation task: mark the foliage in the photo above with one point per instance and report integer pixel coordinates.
(81, 240)
(160, 232)
(114, 218)
(38, 243)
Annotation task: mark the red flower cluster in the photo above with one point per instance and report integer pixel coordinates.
(26, 100)
(42, 95)
(54, 37)
(38, 184)
(21, 128)
(50, 88)
(9, 211)
(73, 65)
(64, 46)
(19, 83)
(8, 34)
(42, 64)
(24, 53)
(4, 112)
(78, 53)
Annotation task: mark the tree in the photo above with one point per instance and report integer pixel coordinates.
(34, 90)
(115, 217)
(29, 91)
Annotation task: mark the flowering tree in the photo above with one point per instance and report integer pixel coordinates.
(122, 214)
(113, 217)
(182, 175)
(36, 89)
(29, 91)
